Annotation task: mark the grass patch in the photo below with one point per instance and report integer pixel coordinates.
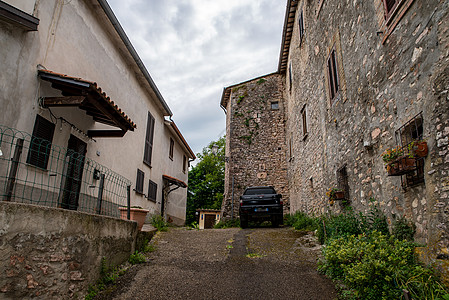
(158, 222)
(227, 224)
(254, 255)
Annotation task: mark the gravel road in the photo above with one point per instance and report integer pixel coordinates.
(258, 263)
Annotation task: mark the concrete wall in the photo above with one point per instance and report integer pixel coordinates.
(255, 140)
(77, 39)
(51, 253)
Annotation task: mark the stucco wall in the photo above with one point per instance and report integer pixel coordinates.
(52, 253)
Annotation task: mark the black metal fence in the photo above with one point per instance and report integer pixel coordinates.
(34, 171)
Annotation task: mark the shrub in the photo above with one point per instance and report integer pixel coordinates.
(333, 226)
(159, 223)
(227, 224)
(301, 221)
(378, 266)
(375, 220)
(403, 230)
(136, 258)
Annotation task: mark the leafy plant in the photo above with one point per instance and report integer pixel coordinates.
(261, 80)
(301, 221)
(227, 224)
(137, 258)
(375, 219)
(403, 229)
(392, 154)
(378, 266)
(159, 223)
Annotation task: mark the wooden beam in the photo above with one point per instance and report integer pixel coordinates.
(108, 111)
(105, 133)
(63, 101)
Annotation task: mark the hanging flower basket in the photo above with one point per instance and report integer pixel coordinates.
(420, 149)
(401, 166)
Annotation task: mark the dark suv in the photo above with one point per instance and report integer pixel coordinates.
(261, 203)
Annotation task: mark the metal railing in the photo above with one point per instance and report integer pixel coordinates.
(34, 171)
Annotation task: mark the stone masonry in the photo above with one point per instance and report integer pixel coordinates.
(255, 144)
(392, 75)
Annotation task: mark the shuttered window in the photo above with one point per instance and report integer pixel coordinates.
(152, 191)
(333, 76)
(149, 140)
(172, 146)
(40, 145)
(184, 164)
(139, 181)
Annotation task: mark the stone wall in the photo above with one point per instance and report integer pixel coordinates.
(51, 253)
(255, 142)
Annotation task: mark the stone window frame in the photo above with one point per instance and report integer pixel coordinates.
(301, 26)
(393, 15)
(335, 44)
(305, 132)
(333, 79)
(290, 75)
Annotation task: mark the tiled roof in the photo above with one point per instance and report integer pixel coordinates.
(287, 34)
(90, 87)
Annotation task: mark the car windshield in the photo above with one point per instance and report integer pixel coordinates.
(260, 191)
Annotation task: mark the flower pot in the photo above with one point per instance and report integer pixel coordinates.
(340, 195)
(401, 166)
(421, 149)
(136, 214)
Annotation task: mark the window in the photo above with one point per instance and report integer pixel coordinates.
(172, 146)
(333, 76)
(304, 122)
(343, 182)
(406, 137)
(301, 26)
(139, 181)
(184, 164)
(152, 191)
(390, 6)
(40, 145)
(149, 140)
(275, 105)
(290, 75)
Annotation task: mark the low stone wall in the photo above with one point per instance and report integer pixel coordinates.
(50, 253)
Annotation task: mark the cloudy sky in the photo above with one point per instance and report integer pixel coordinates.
(195, 48)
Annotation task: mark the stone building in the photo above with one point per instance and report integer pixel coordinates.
(255, 139)
(357, 78)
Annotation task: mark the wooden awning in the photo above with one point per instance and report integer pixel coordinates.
(174, 181)
(86, 95)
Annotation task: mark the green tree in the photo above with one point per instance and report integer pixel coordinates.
(206, 180)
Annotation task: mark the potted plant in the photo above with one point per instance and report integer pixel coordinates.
(397, 163)
(137, 214)
(418, 148)
(335, 194)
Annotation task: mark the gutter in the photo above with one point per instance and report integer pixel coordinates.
(110, 14)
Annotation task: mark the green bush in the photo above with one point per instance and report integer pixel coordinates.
(378, 266)
(159, 223)
(403, 230)
(375, 220)
(333, 226)
(227, 224)
(301, 221)
(136, 258)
